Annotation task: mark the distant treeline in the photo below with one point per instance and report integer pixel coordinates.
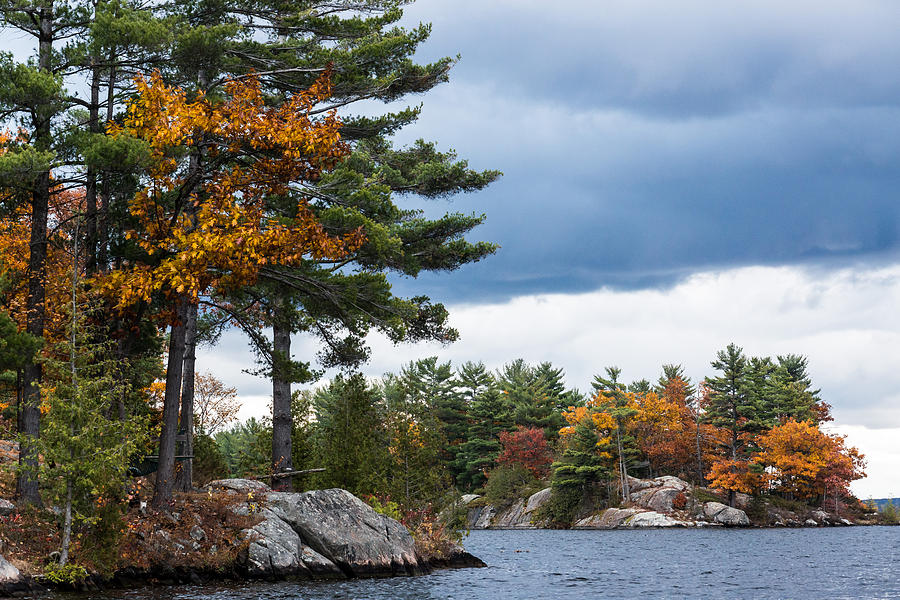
(433, 431)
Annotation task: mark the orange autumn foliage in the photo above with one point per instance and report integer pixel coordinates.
(801, 460)
(15, 231)
(733, 476)
(223, 161)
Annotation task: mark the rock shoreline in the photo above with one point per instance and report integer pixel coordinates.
(663, 502)
(322, 534)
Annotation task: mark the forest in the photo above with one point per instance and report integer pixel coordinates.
(171, 170)
(430, 433)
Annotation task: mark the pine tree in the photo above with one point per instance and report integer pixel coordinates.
(728, 405)
(489, 414)
(474, 380)
(533, 397)
(611, 397)
(889, 512)
(349, 436)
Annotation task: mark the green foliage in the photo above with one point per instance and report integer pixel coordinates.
(69, 574)
(889, 514)
(508, 483)
(86, 453)
(244, 450)
(704, 495)
(536, 393)
(16, 349)
(209, 464)
(386, 507)
(756, 509)
(489, 414)
(561, 508)
(417, 470)
(349, 436)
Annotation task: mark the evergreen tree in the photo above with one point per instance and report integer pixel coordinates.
(889, 512)
(474, 380)
(728, 406)
(421, 448)
(611, 397)
(33, 94)
(489, 414)
(759, 392)
(533, 399)
(670, 372)
(583, 463)
(793, 394)
(349, 436)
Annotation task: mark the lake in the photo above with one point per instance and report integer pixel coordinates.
(857, 562)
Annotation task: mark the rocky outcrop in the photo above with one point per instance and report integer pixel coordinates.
(661, 494)
(611, 518)
(13, 583)
(654, 503)
(725, 515)
(327, 534)
(8, 573)
(6, 507)
(521, 514)
(630, 518)
(346, 532)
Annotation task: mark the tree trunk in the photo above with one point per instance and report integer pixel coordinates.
(67, 527)
(165, 474)
(90, 185)
(103, 219)
(623, 469)
(700, 477)
(27, 485)
(282, 420)
(184, 475)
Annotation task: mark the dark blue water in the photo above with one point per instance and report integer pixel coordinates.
(858, 562)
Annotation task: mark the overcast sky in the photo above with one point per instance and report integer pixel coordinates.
(678, 176)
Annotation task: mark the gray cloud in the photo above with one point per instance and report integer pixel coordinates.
(644, 141)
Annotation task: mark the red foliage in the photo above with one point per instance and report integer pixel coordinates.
(526, 447)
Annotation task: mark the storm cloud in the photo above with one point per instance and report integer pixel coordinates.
(644, 141)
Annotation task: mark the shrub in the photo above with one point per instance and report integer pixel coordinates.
(69, 574)
(562, 507)
(385, 506)
(506, 483)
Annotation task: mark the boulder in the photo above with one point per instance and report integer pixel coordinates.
(820, 516)
(15, 585)
(657, 494)
(636, 485)
(673, 482)
(238, 486)
(810, 523)
(6, 507)
(8, 573)
(468, 498)
(662, 501)
(653, 519)
(513, 517)
(730, 517)
(481, 517)
(537, 500)
(276, 551)
(346, 531)
(611, 518)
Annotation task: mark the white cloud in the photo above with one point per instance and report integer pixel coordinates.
(846, 321)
